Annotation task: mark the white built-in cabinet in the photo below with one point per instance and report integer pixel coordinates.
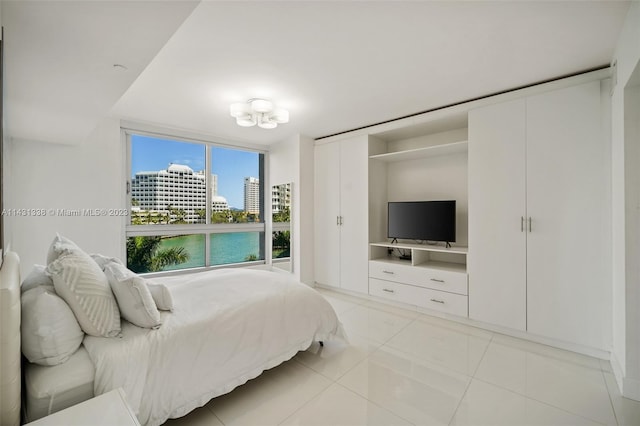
(537, 215)
(530, 173)
(341, 212)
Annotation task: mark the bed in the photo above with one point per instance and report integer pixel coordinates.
(10, 356)
(227, 327)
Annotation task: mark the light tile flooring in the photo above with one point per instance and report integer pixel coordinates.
(401, 367)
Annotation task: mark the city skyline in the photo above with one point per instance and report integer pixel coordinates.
(231, 166)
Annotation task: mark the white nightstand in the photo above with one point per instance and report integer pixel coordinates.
(108, 409)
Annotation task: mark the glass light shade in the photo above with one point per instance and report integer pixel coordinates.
(268, 124)
(246, 122)
(260, 105)
(280, 116)
(240, 110)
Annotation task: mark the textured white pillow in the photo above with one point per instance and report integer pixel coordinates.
(60, 245)
(161, 295)
(103, 260)
(49, 330)
(81, 283)
(134, 299)
(37, 278)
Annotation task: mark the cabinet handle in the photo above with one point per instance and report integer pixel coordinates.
(529, 223)
(521, 223)
(341, 220)
(438, 301)
(437, 280)
(388, 272)
(388, 290)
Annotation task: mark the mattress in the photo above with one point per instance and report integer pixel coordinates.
(54, 388)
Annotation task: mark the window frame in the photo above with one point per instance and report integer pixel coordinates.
(207, 228)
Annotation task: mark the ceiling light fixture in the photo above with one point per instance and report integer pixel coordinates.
(260, 112)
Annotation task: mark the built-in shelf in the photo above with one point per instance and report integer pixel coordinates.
(434, 278)
(429, 264)
(429, 151)
(425, 247)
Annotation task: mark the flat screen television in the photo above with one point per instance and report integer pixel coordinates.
(422, 220)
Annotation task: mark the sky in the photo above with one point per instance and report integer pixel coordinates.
(231, 166)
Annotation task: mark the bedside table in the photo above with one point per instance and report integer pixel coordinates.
(108, 409)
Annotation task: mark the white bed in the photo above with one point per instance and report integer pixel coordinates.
(10, 356)
(227, 327)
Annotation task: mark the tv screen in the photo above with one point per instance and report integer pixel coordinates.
(422, 220)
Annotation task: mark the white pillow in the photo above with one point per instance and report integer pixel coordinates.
(103, 260)
(161, 295)
(37, 278)
(81, 283)
(134, 299)
(59, 246)
(49, 330)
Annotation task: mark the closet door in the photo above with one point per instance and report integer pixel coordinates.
(497, 213)
(354, 212)
(327, 212)
(566, 190)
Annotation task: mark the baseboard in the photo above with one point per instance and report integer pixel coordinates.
(629, 388)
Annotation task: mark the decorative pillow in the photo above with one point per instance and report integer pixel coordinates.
(135, 301)
(161, 295)
(37, 278)
(103, 260)
(50, 332)
(81, 283)
(59, 246)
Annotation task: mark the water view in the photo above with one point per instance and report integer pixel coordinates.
(225, 248)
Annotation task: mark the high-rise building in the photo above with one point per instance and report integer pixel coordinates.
(281, 198)
(174, 190)
(252, 195)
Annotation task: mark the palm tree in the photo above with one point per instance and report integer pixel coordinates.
(143, 254)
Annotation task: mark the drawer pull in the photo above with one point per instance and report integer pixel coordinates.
(388, 272)
(388, 290)
(438, 301)
(437, 280)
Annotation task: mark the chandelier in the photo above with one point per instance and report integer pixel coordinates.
(260, 112)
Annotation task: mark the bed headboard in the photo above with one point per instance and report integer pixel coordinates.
(10, 354)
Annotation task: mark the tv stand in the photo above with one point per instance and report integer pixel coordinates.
(434, 277)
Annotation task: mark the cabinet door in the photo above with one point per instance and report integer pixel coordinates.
(566, 189)
(497, 241)
(354, 208)
(327, 211)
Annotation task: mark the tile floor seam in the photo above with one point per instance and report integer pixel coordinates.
(306, 403)
(376, 404)
(613, 407)
(453, 416)
(211, 411)
(484, 353)
(542, 402)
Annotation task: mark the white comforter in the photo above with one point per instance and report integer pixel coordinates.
(226, 328)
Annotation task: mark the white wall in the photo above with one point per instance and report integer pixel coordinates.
(51, 177)
(434, 178)
(292, 161)
(625, 245)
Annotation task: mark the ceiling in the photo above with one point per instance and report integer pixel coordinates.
(336, 65)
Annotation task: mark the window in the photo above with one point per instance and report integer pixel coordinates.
(281, 219)
(193, 204)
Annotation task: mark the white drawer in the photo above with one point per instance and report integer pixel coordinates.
(441, 301)
(453, 282)
(423, 276)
